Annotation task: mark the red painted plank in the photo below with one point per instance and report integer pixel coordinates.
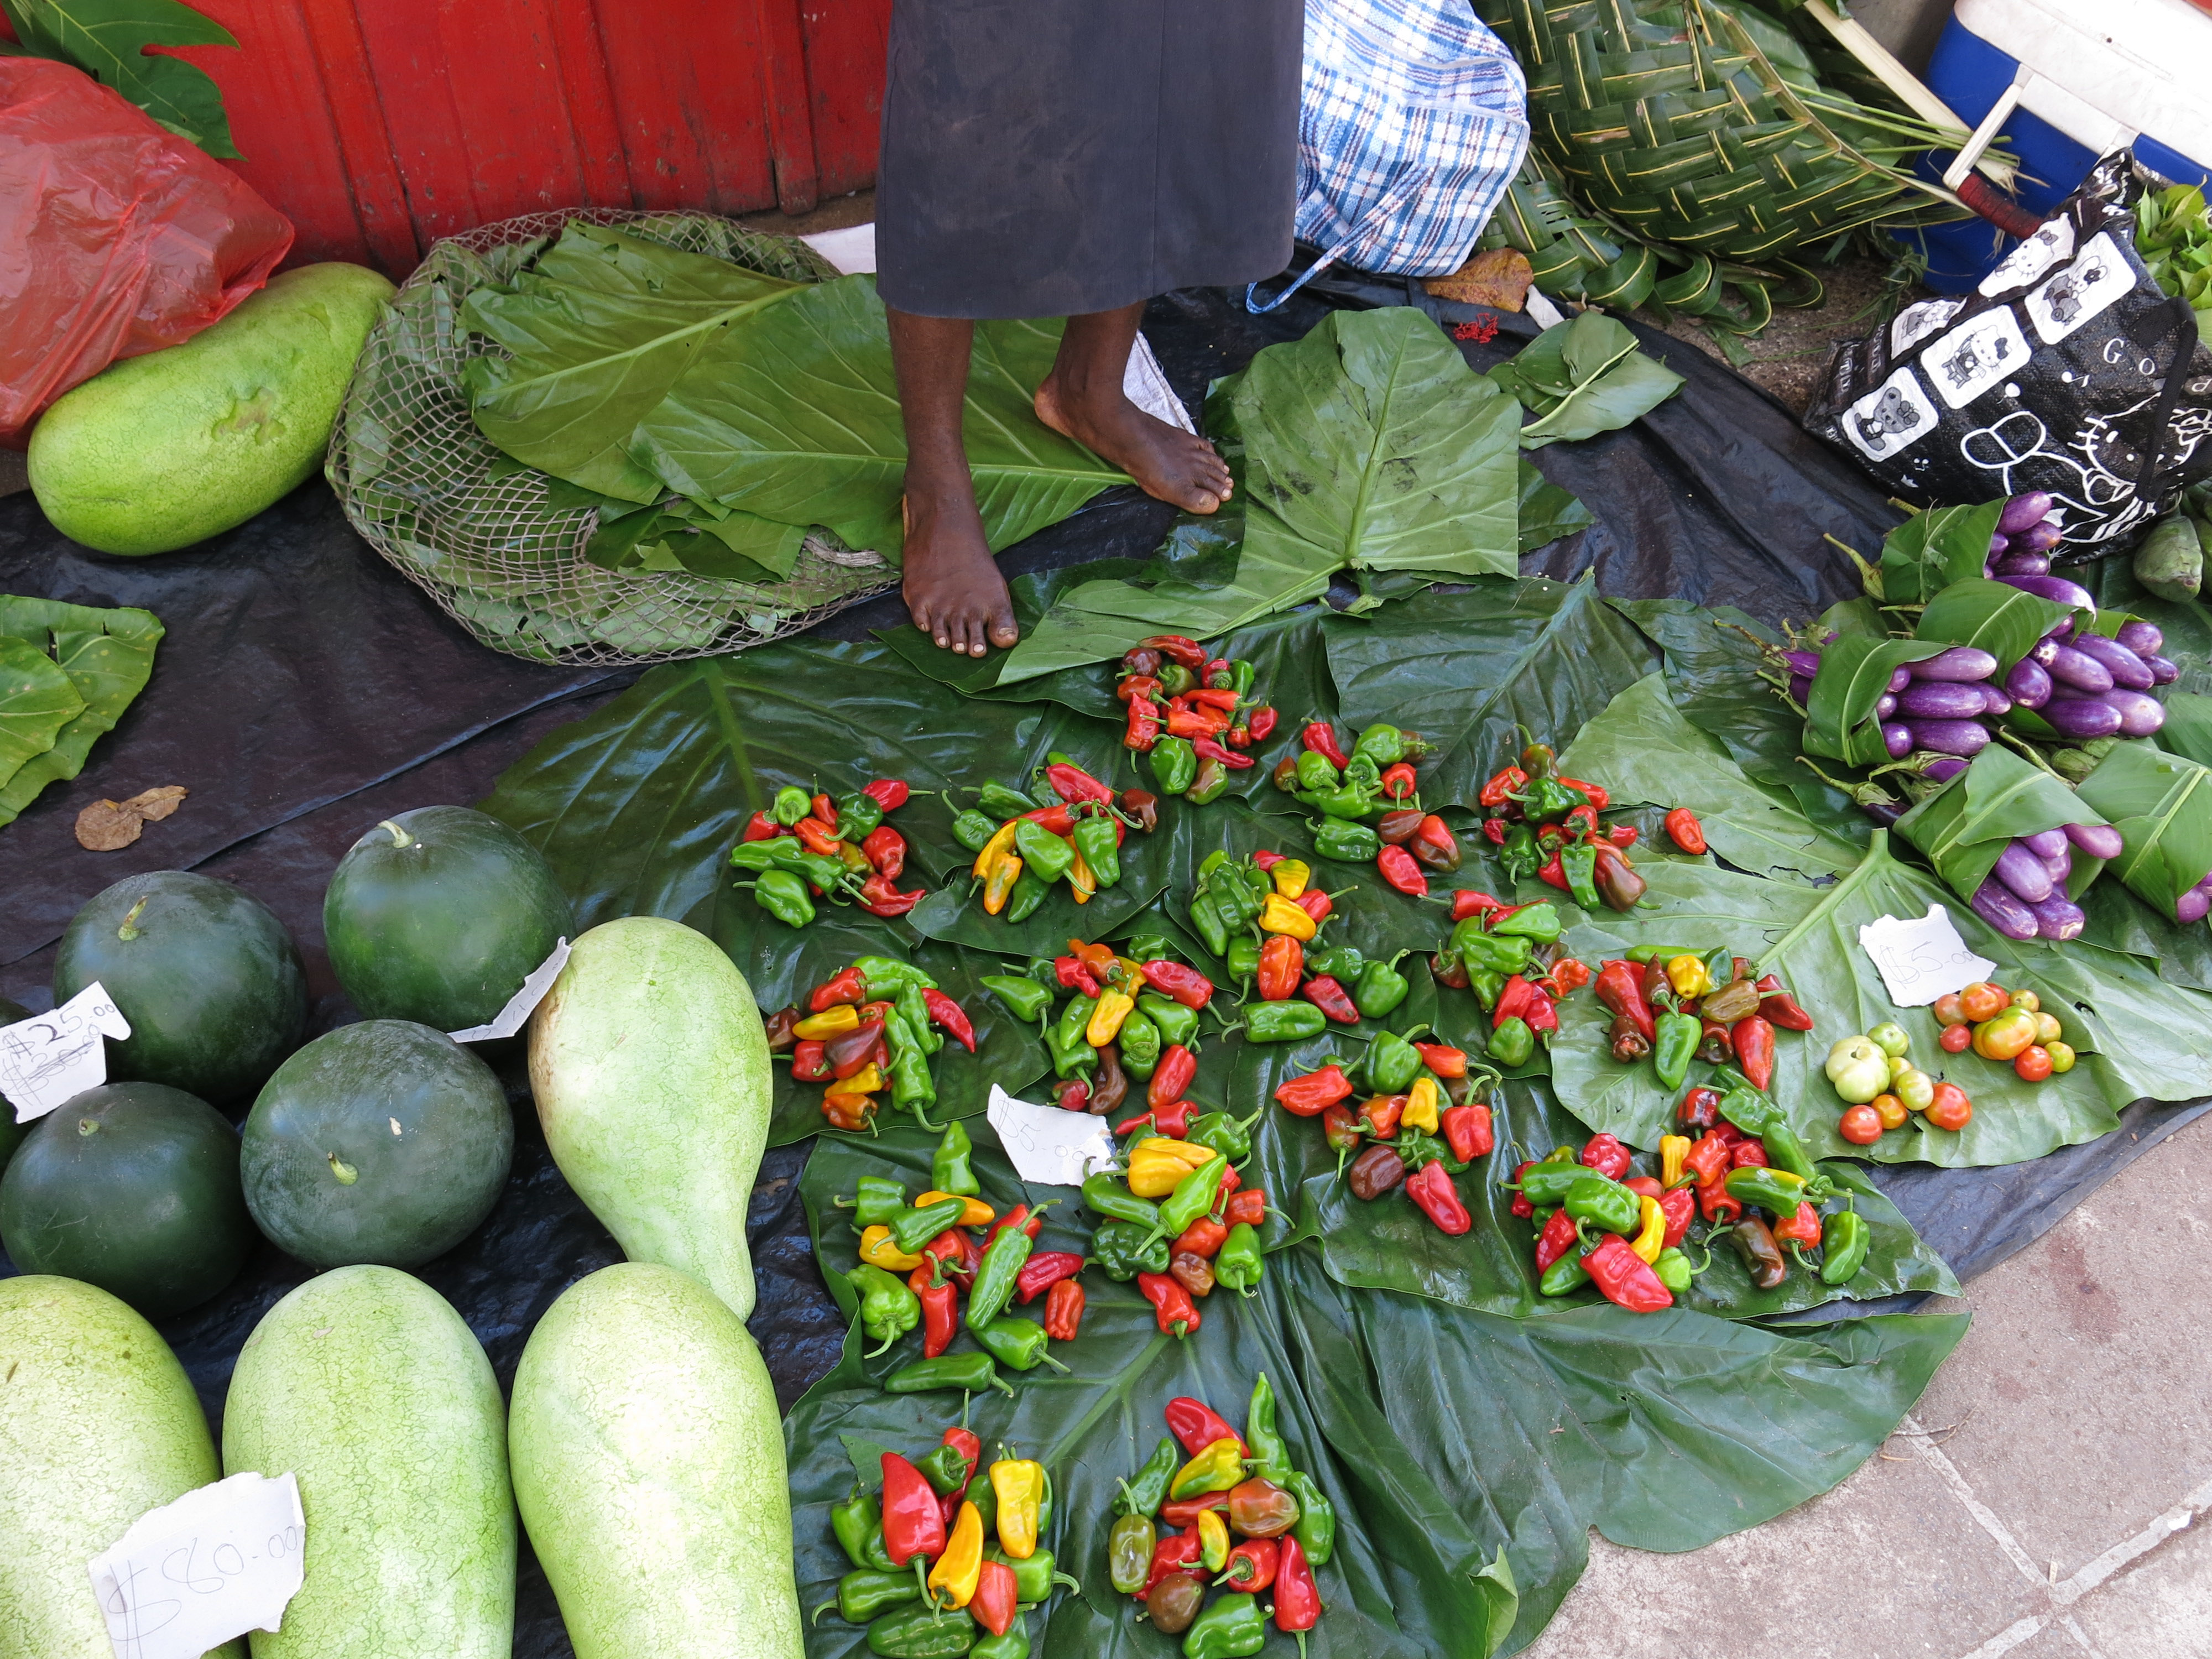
(846, 42)
(692, 125)
(590, 98)
(338, 62)
(418, 87)
(782, 69)
(516, 140)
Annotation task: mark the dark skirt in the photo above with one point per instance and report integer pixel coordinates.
(1046, 158)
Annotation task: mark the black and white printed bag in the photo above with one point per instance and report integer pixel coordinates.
(2067, 370)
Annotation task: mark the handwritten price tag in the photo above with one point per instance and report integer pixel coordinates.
(523, 1003)
(48, 1057)
(1921, 958)
(192, 1575)
(1049, 1147)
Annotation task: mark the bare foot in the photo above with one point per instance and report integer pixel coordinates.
(953, 588)
(1167, 462)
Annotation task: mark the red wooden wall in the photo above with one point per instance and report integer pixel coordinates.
(380, 125)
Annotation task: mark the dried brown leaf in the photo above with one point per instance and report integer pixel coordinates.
(105, 826)
(1498, 278)
(157, 804)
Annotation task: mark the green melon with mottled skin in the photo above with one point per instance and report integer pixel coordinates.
(159, 452)
(365, 1384)
(98, 1425)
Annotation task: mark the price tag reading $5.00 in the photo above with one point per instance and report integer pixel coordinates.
(1921, 958)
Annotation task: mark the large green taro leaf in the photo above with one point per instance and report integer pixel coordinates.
(108, 656)
(36, 700)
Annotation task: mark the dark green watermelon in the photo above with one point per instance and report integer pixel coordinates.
(132, 1186)
(438, 915)
(385, 1142)
(11, 1133)
(206, 973)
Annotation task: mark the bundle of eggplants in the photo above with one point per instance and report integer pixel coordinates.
(2025, 895)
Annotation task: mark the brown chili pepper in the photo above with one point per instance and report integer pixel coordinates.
(1193, 1272)
(1375, 1172)
(1142, 808)
(1448, 972)
(1754, 1242)
(1715, 1047)
(1111, 1086)
(1629, 1044)
(781, 1028)
(1737, 999)
(1619, 886)
(1141, 661)
(1396, 829)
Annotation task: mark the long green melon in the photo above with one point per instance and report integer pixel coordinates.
(159, 452)
(366, 1385)
(648, 1463)
(98, 1425)
(651, 1076)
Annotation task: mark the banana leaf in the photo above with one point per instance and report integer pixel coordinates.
(1964, 827)
(2004, 621)
(107, 656)
(2188, 728)
(1855, 671)
(1930, 550)
(2187, 627)
(2161, 805)
(1583, 377)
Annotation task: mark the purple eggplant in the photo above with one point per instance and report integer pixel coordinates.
(1899, 679)
(2045, 843)
(2058, 918)
(1941, 700)
(2079, 670)
(2061, 866)
(1883, 812)
(1994, 701)
(2039, 538)
(1884, 706)
(2052, 587)
(2145, 639)
(2163, 670)
(1965, 737)
(2022, 873)
(2024, 510)
(2127, 670)
(2081, 717)
(1897, 739)
(2062, 631)
(2002, 911)
(2045, 649)
(1959, 664)
(2027, 685)
(2022, 564)
(2191, 906)
(2099, 840)
(1806, 663)
(2140, 715)
(1944, 770)
(1800, 688)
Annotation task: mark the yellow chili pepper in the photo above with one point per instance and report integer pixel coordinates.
(1688, 975)
(1018, 1485)
(1213, 1534)
(996, 847)
(1080, 881)
(1106, 1018)
(853, 857)
(835, 1020)
(977, 1214)
(961, 1566)
(1001, 882)
(1217, 1467)
(1291, 877)
(866, 1081)
(1421, 1105)
(876, 1246)
(1652, 1238)
(1279, 915)
(1673, 1150)
(1157, 1166)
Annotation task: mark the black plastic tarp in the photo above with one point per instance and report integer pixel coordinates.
(304, 690)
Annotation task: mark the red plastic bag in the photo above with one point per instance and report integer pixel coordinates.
(117, 237)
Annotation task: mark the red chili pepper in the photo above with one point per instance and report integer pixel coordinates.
(1398, 782)
(1329, 995)
(1567, 975)
(1754, 1038)
(914, 1523)
(1431, 1187)
(817, 837)
(1468, 901)
(1688, 835)
(940, 1308)
(1716, 1047)
(1307, 1096)
(1708, 1159)
(1581, 822)
(1199, 724)
(1213, 697)
(1803, 1228)
(1620, 988)
(1262, 723)
(1605, 1154)
(1198, 1426)
(1073, 1094)
(760, 827)
(1248, 1206)
(1030, 1221)
(1265, 860)
(889, 793)
(1203, 1237)
(1598, 798)
(1177, 1550)
(1072, 784)
(1551, 874)
(1749, 1154)
(1172, 1119)
(1444, 1059)
(1282, 959)
(1383, 1113)
(1177, 1066)
(1622, 835)
(1185, 985)
(1728, 1132)
(995, 1602)
(1063, 1310)
(1177, 648)
(1315, 904)
(1701, 1109)
(1716, 1206)
(1057, 819)
(1555, 1240)
(1520, 1206)
(1542, 1015)
(1400, 871)
(1252, 1564)
(949, 1017)
(1216, 666)
(1320, 737)
(1495, 830)
(885, 848)
(1513, 1002)
(970, 1445)
(1075, 974)
(1044, 1270)
(880, 896)
(1504, 783)
(1625, 1278)
(1136, 688)
(1680, 1207)
(1298, 1600)
(809, 1061)
(1209, 750)
(1467, 1131)
(1435, 845)
(955, 1248)
(1133, 1125)
(1644, 1186)
(1144, 725)
(854, 1051)
(1780, 1007)
(825, 812)
(1338, 1128)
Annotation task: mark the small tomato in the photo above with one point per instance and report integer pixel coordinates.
(1956, 1038)
(2032, 1063)
(1915, 1090)
(2048, 1031)
(1981, 1000)
(1889, 1108)
(2004, 1036)
(1898, 1066)
(1862, 1125)
(1947, 1010)
(1858, 1068)
(1950, 1109)
(2062, 1055)
(2027, 999)
(1890, 1037)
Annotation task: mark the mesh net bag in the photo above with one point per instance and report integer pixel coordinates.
(464, 523)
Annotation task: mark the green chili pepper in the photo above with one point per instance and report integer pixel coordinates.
(1143, 1493)
(1419, 1147)
(1234, 1628)
(1013, 1644)
(1603, 1203)
(1205, 917)
(1271, 1458)
(784, 896)
(1346, 805)
(971, 1373)
(1512, 1043)
(1216, 1468)
(1547, 797)
(1018, 1343)
(1283, 1022)
(1129, 1546)
(1044, 1513)
(1496, 953)
(1174, 764)
(1239, 1264)
(1578, 864)
(1028, 891)
(1140, 1045)
(1075, 1017)
(1673, 1269)
(1243, 961)
(898, 1035)
(1381, 988)
(973, 831)
(946, 1470)
(1002, 802)
(994, 1278)
(1149, 947)
(861, 1595)
(1071, 1056)
(912, 1229)
(1209, 784)
(1241, 673)
(1565, 1274)
(1771, 1189)
(1487, 986)
(1342, 964)
(1125, 1249)
(1024, 998)
(1315, 1530)
(858, 1524)
(1674, 1044)
(1234, 901)
(1316, 771)
(1361, 771)
(913, 1088)
(888, 1308)
(1109, 1195)
(1035, 1573)
(912, 1010)
(791, 803)
(1046, 972)
(931, 1632)
(876, 1200)
(1213, 861)
(1043, 854)
(951, 1168)
(1393, 1063)
(1384, 745)
(857, 815)
(1229, 1136)
(1193, 1197)
(1546, 1185)
(985, 1497)
(1520, 856)
(1177, 1024)
(1095, 838)
(884, 975)
(1538, 922)
(1845, 1242)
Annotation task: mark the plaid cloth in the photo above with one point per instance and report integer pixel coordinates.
(1414, 119)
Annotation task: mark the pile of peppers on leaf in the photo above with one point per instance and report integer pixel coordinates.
(1545, 824)
(948, 1558)
(1675, 1005)
(1177, 1217)
(917, 1258)
(1192, 715)
(870, 1028)
(1211, 1506)
(1130, 1017)
(1263, 915)
(807, 846)
(1421, 1124)
(1509, 956)
(1022, 848)
(1375, 782)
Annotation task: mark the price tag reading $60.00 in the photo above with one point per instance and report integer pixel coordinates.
(1921, 958)
(215, 1563)
(48, 1057)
